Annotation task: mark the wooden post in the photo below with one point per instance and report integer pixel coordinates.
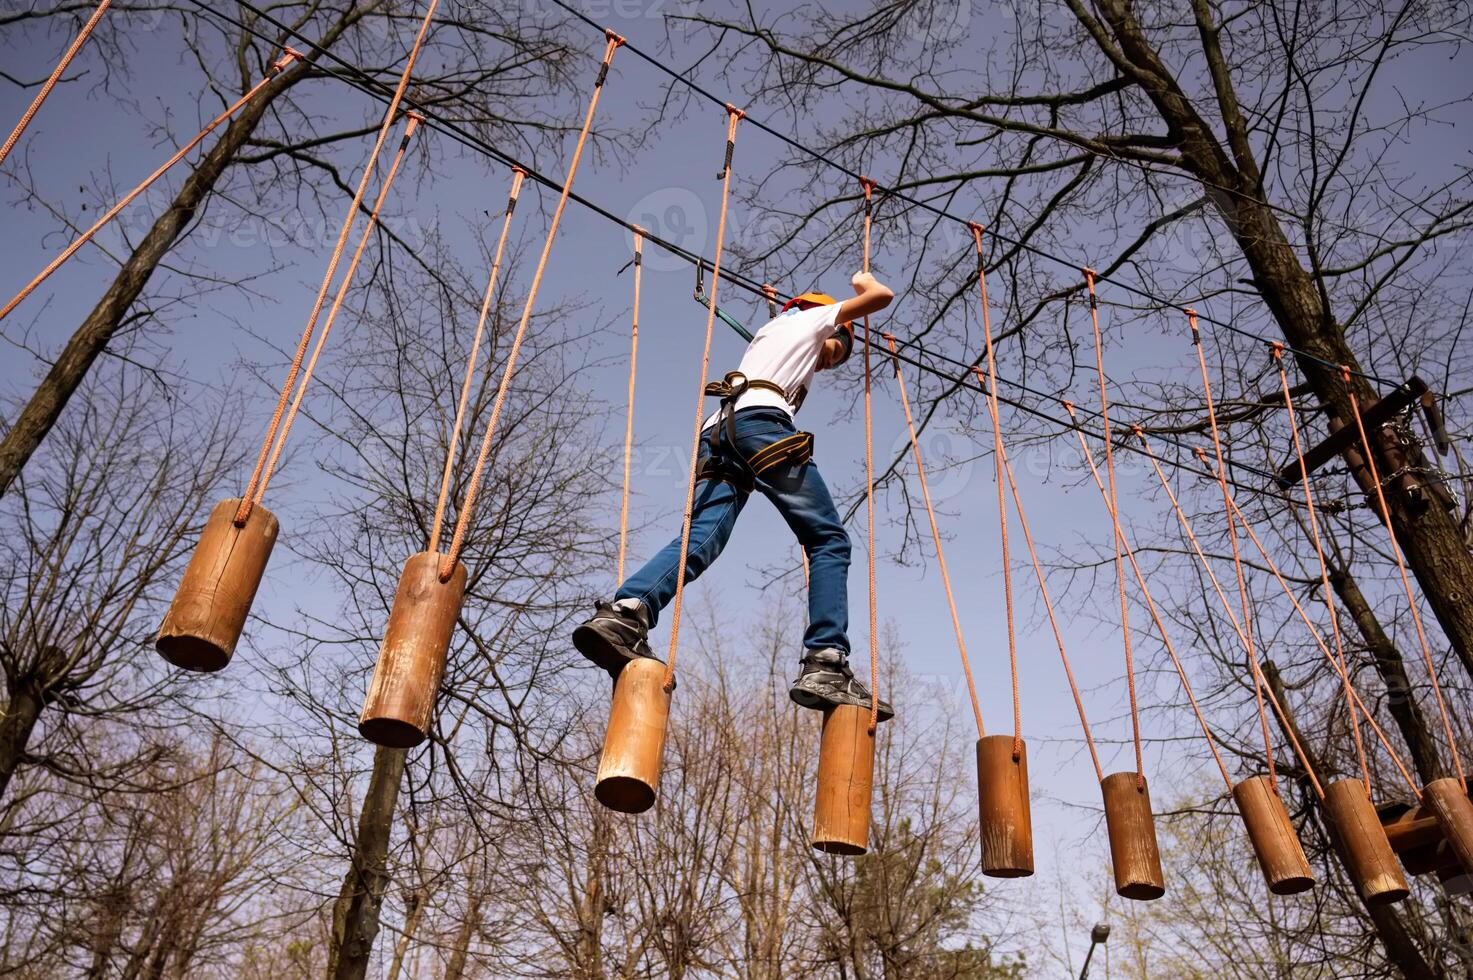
(1279, 853)
(209, 611)
(629, 770)
(1448, 800)
(411, 662)
(1003, 808)
(846, 770)
(1132, 831)
(1368, 854)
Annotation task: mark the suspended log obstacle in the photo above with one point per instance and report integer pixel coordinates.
(1132, 830)
(846, 769)
(1419, 836)
(411, 662)
(205, 620)
(1003, 807)
(1274, 842)
(629, 770)
(1367, 850)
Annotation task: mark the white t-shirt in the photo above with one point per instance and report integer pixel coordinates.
(785, 351)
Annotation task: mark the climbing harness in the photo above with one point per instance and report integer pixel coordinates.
(723, 461)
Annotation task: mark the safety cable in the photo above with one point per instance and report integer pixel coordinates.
(1246, 629)
(371, 87)
(281, 63)
(956, 623)
(1048, 606)
(1259, 683)
(50, 83)
(1122, 545)
(1406, 584)
(942, 212)
(1002, 507)
(868, 187)
(629, 416)
(1314, 533)
(259, 474)
(1119, 536)
(1335, 665)
(337, 304)
(453, 443)
(733, 116)
(463, 519)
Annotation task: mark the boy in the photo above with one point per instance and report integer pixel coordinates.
(751, 443)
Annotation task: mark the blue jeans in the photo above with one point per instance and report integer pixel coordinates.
(802, 498)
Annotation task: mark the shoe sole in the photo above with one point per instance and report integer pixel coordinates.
(807, 699)
(599, 650)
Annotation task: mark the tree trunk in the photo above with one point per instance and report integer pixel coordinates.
(355, 914)
(1428, 536)
(414, 910)
(91, 338)
(1392, 669)
(22, 712)
(1396, 938)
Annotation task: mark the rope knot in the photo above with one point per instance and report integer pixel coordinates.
(1276, 348)
(1068, 406)
(288, 55)
(614, 38)
(1345, 373)
(732, 110)
(868, 185)
(1138, 432)
(412, 121)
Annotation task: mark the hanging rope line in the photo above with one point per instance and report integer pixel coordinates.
(1406, 583)
(287, 57)
(61, 66)
(940, 212)
(629, 418)
(956, 623)
(453, 443)
(1002, 507)
(355, 77)
(1319, 549)
(1122, 545)
(1260, 684)
(733, 116)
(467, 510)
(868, 187)
(1245, 632)
(1314, 632)
(251, 495)
(337, 305)
(1119, 535)
(1048, 605)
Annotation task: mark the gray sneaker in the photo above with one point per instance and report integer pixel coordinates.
(614, 636)
(826, 681)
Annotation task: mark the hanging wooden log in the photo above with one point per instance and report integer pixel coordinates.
(1132, 830)
(1274, 842)
(411, 661)
(846, 766)
(629, 770)
(1003, 807)
(205, 620)
(1448, 800)
(1368, 853)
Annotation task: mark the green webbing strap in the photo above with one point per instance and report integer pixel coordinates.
(726, 317)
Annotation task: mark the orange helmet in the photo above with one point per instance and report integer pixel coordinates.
(814, 299)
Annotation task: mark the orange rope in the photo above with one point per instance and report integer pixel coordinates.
(915, 448)
(1048, 604)
(733, 116)
(1135, 718)
(1002, 507)
(517, 176)
(286, 59)
(1405, 581)
(337, 305)
(629, 418)
(1314, 530)
(251, 496)
(869, 485)
(1123, 545)
(66, 59)
(1335, 665)
(1245, 631)
(1258, 679)
(467, 510)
